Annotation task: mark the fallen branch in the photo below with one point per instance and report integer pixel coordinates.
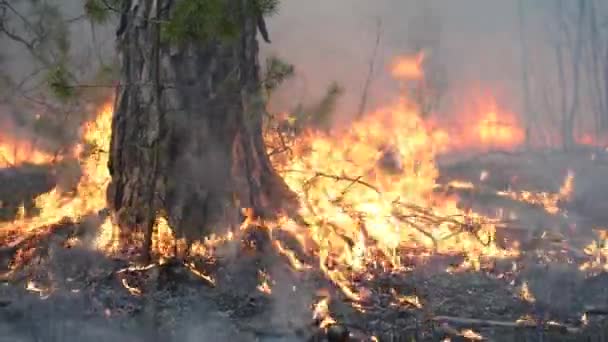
(528, 324)
(356, 180)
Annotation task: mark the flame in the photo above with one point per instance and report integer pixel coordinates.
(481, 125)
(592, 140)
(549, 201)
(264, 285)
(471, 335)
(90, 192)
(526, 294)
(17, 152)
(408, 67)
(598, 253)
(367, 193)
(321, 313)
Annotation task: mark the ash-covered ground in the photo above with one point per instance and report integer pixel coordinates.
(69, 292)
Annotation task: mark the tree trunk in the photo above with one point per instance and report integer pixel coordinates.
(187, 129)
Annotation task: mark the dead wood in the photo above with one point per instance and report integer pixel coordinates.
(549, 326)
(370, 73)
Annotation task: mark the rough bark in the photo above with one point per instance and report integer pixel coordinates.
(187, 135)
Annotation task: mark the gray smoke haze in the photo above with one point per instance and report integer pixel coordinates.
(476, 43)
(469, 44)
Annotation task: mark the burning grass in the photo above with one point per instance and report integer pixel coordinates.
(370, 216)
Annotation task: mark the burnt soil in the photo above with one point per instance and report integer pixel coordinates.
(90, 302)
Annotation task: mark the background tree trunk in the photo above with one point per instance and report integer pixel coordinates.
(186, 135)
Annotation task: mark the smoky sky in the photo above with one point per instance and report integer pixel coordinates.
(477, 43)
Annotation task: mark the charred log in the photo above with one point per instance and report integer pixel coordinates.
(338, 333)
(187, 129)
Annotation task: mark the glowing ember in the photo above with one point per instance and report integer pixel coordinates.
(200, 274)
(321, 313)
(132, 290)
(526, 294)
(471, 335)
(33, 287)
(597, 252)
(549, 201)
(264, 285)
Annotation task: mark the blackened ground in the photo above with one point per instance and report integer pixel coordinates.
(88, 299)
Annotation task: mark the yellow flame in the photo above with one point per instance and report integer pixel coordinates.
(89, 197)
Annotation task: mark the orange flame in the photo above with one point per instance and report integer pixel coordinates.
(89, 198)
(481, 125)
(408, 67)
(16, 152)
(352, 184)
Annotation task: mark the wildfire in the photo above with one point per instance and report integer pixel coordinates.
(482, 125)
(526, 294)
(407, 67)
(363, 191)
(549, 201)
(16, 152)
(265, 281)
(367, 199)
(598, 253)
(89, 198)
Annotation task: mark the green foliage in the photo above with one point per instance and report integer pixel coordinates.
(58, 80)
(107, 73)
(321, 114)
(275, 73)
(201, 20)
(41, 29)
(318, 115)
(100, 11)
(266, 7)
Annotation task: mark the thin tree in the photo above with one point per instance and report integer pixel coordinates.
(528, 115)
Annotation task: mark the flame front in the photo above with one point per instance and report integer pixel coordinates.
(15, 152)
(367, 195)
(90, 193)
(481, 125)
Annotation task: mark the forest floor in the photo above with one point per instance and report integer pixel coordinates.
(72, 293)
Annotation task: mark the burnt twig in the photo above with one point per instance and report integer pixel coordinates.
(550, 326)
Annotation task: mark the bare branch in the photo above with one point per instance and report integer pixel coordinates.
(370, 73)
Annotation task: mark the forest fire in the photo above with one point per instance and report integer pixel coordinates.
(549, 201)
(363, 213)
(368, 205)
(481, 125)
(15, 152)
(54, 205)
(367, 195)
(409, 68)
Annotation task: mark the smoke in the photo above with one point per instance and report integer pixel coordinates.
(469, 44)
(28, 110)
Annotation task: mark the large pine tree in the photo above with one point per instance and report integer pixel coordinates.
(187, 130)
